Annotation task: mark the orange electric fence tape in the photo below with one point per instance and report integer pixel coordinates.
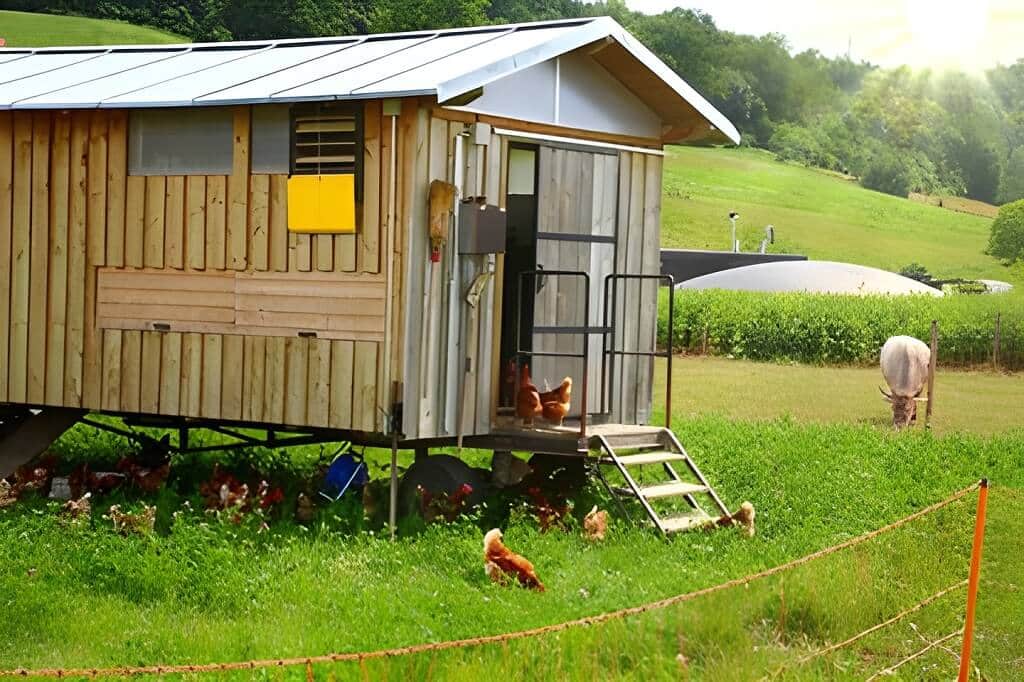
(124, 671)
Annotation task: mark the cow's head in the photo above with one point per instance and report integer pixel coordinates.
(904, 408)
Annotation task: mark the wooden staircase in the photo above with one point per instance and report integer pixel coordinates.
(678, 482)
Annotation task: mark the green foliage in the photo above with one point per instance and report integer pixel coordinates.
(916, 271)
(1007, 238)
(204, 589)
(1011, 185)
(399, 15)
(831, 329)
(889, 173)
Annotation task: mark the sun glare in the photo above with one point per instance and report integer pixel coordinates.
(946, 33)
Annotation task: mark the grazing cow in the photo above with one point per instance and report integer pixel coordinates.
(904, 361)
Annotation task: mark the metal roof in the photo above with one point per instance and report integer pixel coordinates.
(445, 63)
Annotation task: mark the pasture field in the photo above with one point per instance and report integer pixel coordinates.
(980, 402)
(815, 213)
(26, 29)
(203, 588)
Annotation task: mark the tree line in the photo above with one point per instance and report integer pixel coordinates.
(896, 130)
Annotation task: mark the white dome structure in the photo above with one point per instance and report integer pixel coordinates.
(996, 286)
(820, 277)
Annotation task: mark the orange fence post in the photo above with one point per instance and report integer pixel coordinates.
(972, 584)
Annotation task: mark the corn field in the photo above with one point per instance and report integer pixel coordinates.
(834, 329)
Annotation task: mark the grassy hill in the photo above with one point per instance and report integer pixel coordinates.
(25, 29)
(815, 213)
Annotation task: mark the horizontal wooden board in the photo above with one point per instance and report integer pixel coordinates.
(331, 305)
(350, 305)
(162, 313)
(110, 278)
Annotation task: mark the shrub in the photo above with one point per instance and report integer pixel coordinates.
(834, 329)
(887, 173)
(1006, 240)
(916, 271)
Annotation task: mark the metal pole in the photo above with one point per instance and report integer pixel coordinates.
(668, 375)
(972, 582)
(584, 445)
(996, 342)
(393, 502)
(931, 374)
(604, 348)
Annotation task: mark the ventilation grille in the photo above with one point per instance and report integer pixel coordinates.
(325, 140)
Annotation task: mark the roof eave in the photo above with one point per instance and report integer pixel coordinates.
(718, 128)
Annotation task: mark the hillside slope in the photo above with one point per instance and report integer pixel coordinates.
(815, 213)
(25, 29)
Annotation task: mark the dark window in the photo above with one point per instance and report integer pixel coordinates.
(192, 141)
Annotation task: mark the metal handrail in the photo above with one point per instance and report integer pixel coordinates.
(583, 445)
(611, 281)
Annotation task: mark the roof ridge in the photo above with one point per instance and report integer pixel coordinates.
(286, 42)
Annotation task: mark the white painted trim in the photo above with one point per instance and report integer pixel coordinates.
(558, 89)
(541, 137)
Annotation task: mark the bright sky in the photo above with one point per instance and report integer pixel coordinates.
(964, 34)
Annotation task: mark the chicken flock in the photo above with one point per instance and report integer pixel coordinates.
(552, 405)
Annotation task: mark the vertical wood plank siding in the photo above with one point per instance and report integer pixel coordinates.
(68, 207)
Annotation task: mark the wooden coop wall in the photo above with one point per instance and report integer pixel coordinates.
(638, 251)
(450, 360)
(93, 261)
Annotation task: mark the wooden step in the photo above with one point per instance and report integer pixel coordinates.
(677, 524)
(672, 489)
(639, 446)
(651, 458)
(636, 440)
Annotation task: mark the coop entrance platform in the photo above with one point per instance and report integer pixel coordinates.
(560, 440)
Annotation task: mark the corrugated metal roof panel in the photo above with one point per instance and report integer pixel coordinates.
(185, 89)
(262, 89)
(11, 56)
(177, 90)
(440, 70)
(80, 72)
(111, 88)
(37, 64)
(343, 84)
(444, 63)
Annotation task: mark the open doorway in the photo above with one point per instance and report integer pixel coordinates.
(520, 256)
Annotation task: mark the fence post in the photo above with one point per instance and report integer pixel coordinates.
(931, 374)
(996, 342)
(704, 342)
(972, 581)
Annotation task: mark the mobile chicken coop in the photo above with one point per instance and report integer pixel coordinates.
(341, 238)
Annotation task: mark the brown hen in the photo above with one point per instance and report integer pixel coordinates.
(500, 562)
(555, 403)
(528, 403)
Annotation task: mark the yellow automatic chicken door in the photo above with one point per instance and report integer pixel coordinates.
(322, 203)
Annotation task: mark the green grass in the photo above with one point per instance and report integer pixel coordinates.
(817, 214)
(207, 590)
(25, 29)
(969, 402)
